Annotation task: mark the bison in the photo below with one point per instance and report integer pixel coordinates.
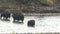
(5, 15)
(31, 23)
(17, 16)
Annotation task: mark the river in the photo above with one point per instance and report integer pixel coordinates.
(43, 24)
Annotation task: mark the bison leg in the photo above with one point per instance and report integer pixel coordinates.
(1, 16)
(6, 18)
(17, 20)
(13, 20)
(22, 21)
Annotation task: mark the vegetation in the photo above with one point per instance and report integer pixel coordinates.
(48, 2)
(13, 33)
(31, 5)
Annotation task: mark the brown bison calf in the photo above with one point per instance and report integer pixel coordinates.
(31, 23)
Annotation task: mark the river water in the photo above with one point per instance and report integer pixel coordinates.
(43, 24)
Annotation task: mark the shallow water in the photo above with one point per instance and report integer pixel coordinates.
(42, 24)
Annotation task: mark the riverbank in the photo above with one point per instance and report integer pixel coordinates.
(42, 14)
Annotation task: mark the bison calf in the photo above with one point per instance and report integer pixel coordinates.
(31, 23)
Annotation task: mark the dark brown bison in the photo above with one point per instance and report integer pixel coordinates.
(17, 16)
(5, 15)
(31, 23)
